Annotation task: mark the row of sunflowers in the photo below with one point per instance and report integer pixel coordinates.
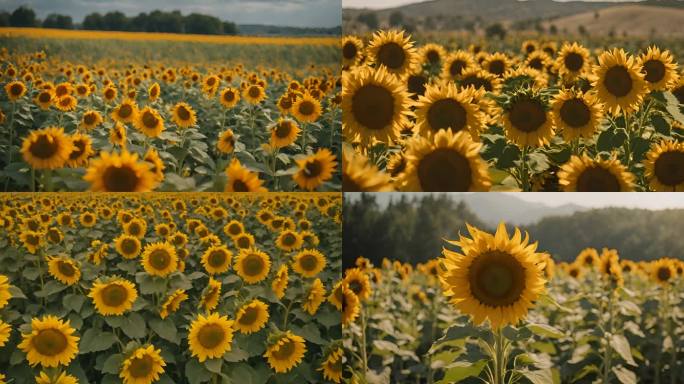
(170, 288)
(544, 116)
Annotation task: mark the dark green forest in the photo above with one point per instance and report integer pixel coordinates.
(412, 230)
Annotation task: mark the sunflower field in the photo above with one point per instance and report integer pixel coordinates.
(113, 112)
(540, 115)
(496, 309)
(170, 288)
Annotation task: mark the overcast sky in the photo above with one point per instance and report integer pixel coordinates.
(299, 13)
(650, 200)
(380, 4)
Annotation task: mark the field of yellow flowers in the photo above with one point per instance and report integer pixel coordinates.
(170, 288)
(133, 112)
(496, 309)
(539, 115)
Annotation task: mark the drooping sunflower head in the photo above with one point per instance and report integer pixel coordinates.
(144, 365)
(240, 179)
(279, 284)
(216, 259)
(332, 365)
(149, 122)
(252, 265)
(114, 172)
(618, 81)
(251, 317)
(284, 132)
(50, 343)
(446, 161)
(664, 166)
(183, 115)
(156, 164)
(82, 150)
(117, 135)
(576, 114)
(446, 107)
(494, 276)
(210, 337)
(352, 50)
(159, 259)
(285, 351)
(610, 267)
(349, 303)
(64, 269)
(315, 169)
(375, 105)
(47, 148)
(659, 69)
(527, 119)
(172, 303)
(113, 297)
(360, 175)
(309, 263)
(226, 141)
(211, 295)
(584, 174)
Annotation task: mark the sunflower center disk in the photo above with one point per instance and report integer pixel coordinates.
(373, 107)
(114, 295)
(597, 179)
(44, 147)
(497, 279)
(150, 120)
(477, 82)
(497, 67)
(349, 51)
(416, 84)
(575, 113)
(141, 367)
(125, 110)
(527, 115)
(669, 168)
(78, 151)
(618, 81)
(313, 169)
(282, 130)
(89, 118)
(445, 114)
(285, 351)
(655, 71)
(457, 67)
(160, 259)
(16, 89)
(391, 55)
(254, 91)
(44, 97)
(211, 336)
(249, 316)
(183, 113)
(66, 268)
(50, 342)
(240, 186)
(306, 108)
(217, 259)
(573, 61)
(253, 265)
(336, 366)
(308, 262)
(433, 57)
(664, 274)
(289, 239)
(445, 170)
(120, 179)
(243, 242)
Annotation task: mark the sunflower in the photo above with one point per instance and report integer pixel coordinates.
(494, 277)
(15, 90)
(610, 268)
(5, 332)
(61, 378)
(5, 294)
(126, 112)
(149, 122)
(156, 164)
(663, 271)
(664, 166)
(90, 120)
(583, 174)
(618, 81)
(572, 61)
(216, 259)
(109, 93)
(314, 297)
(285, 351)
(64, 269)
(659, 69)
(32, 240)
(306, 109)
(240, 179)
(113, 297)
(113, 172)
(210, 337)
(332, 365)
(159, 259)
(50, 343)
(456, 64)
(47, 148)
(252, 265)
(588, 258)
(360, 175)
(480, 80)
(375, 105)
(358, 282)
(393, 51)
(142, 366)
(497, 64)
(309, 263)
(234, 228)
(127, 246)
(44, 99)
(279, 284)
(183, 115)
(136, 227)
(445, 107)
(229, 97)
(81, 152)
(226, 141)
(254, 94)
(211, 295)
(283, 133)
(289, 241)
(678, 90)
(251, 317)
(315, 169)
(528, 120)
(431, 55)
(444, 162)
(117, 134)
(577, 114)
(349, 304)
(172, 303)
(352, 50)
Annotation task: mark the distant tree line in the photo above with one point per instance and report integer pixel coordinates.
(155, 21)
(413, 230)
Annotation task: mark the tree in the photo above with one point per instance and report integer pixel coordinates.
(230, 28)
(55, 20)
(93, 21)
(115, 21)
(4, 19)
(496, 30)
(203, 24)
(396, 19)
(23, 17)
(370, 19)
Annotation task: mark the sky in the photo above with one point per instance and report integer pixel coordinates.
(297, 13)
(380, 4)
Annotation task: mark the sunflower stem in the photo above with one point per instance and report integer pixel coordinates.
(304, 135)
(287, 315)
(524, 176)
(673, 337)
(608, 333)
(499, 366)
(11, 139)
(364, 354)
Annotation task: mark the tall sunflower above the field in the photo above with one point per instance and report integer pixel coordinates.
(618, 81)
(352, 51)
(315, 169)
(494, 277)
(527, 119)
(392, 50)
(375, 105)
(659, 69)
(576, 114)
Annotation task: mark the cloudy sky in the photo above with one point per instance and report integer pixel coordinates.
(380, 4)
(300, 13)
(597, 199)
